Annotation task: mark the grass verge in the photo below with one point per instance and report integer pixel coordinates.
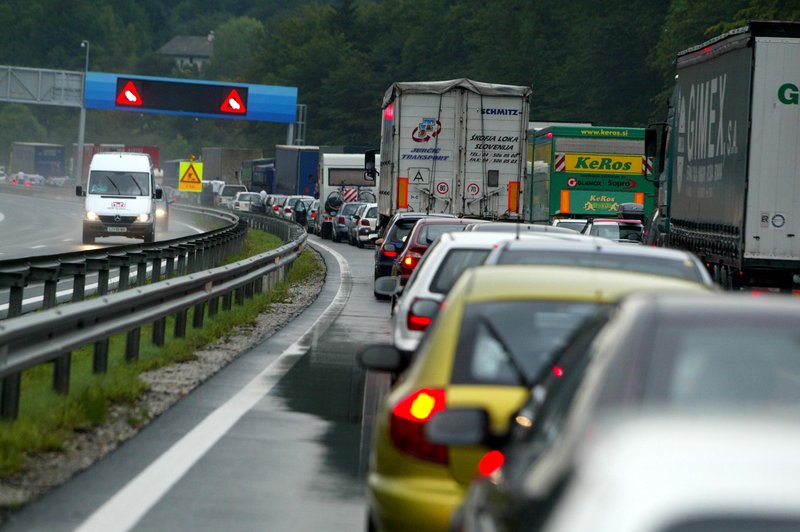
(47, 420)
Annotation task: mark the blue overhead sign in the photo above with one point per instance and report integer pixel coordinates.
(211, 99)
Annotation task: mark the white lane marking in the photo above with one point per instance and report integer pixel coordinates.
(2, 217)
(127, 507)
(39, 246)
(67, 240)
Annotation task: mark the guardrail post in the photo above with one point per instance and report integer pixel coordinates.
(123, 262)
(155, 256)
(77, 269)
(197, 315)
(15, 280)
(99, 264)
(213, 306)
(191, 256)
(227, 301)
(61, 370)
(132, 345)
(9, 397)
(239, 295)
(47, 272)
(180, 268)
(180, 324)
(170, 253)
(140, 260)
(159, 331)
(100, 357)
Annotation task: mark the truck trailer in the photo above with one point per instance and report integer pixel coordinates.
(734, 166)
(225, 163)
(455, 147)
(296, 170)
(46, 160)
(587, 172)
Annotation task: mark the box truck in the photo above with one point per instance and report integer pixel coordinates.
(456, 147)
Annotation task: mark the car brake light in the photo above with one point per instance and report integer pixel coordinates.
(390, 254)
(407, 424)
(365, 222)
(287, 210)
(340, 221)
(558, 371)
(491, 462)
(313, 216)
(411, 259)
(27, 183)
(235, 203)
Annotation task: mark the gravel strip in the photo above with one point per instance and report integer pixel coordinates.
(45, 471)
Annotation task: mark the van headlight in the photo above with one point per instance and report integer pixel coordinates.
(92, 216)
(144, 217)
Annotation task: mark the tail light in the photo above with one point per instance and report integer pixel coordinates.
(411, 259)
(491, 462)
(417, 323)
(340, 220)
(364, 222)
(235, 203)
(27, 183)
(276, 208)
(313, 216)
(389, 254)
(287, 210)
(407, 424)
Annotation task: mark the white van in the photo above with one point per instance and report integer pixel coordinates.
(341, 178)
(119, 197)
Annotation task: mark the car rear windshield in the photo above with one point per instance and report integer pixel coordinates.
(350, 209)
(574, 225)
(617, 232)
(400, 230)
(372, 213)
(430, 232)
(232, 190)
(453, 265)
(667, 267)
(726, 364)
(511, 342)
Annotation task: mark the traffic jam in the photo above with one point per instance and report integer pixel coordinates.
(587, 327)
(554, 359)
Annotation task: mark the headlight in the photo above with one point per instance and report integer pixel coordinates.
(160, 212)
(144, 217)
(92, 216)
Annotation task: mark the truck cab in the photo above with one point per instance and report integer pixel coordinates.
(120, 194)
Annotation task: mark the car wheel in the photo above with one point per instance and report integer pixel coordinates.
(360, 244)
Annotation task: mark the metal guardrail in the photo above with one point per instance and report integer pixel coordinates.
(181, 255)
(52, 334)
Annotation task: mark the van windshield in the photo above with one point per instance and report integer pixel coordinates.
(119, 183)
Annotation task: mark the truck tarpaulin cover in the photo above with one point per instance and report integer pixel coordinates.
(441, 87)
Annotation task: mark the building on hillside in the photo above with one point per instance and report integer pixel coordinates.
(188, 50)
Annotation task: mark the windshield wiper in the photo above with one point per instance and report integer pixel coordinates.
(115, 185)
(523, 377)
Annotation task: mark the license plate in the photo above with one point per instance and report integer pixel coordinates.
(373, 235)
(117, 229)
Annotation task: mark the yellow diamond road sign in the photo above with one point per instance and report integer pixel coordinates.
(191, 176)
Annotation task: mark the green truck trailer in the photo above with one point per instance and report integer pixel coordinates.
(587, 172)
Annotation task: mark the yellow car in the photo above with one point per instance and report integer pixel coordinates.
(492, 340)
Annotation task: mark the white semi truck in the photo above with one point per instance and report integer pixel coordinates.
(456, 147)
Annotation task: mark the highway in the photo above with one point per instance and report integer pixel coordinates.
(275, 441)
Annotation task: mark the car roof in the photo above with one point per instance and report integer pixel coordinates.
(561, 282)
(596, 244)
(655, 470)
(511, 227)
(723, 306)
(616, 221)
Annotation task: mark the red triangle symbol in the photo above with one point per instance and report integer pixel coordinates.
(129, 96)
(233, 104)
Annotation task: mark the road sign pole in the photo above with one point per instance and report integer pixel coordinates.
(78, 176)
(290, 135)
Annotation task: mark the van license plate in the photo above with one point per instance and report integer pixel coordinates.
(372, 235)
(117, 229)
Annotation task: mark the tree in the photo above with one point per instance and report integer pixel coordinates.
(235, 44)
(18, 125)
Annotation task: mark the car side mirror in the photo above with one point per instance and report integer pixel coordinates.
(159, 193)
(381, 357)
(79, 191)
(459, 427)
(387, 286)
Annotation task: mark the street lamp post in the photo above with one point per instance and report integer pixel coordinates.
(82, 126)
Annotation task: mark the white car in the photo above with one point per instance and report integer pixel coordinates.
(665, 472)
(367, 226)
(576, 224)
(246, 201)
(228, 192)
(438, 270)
